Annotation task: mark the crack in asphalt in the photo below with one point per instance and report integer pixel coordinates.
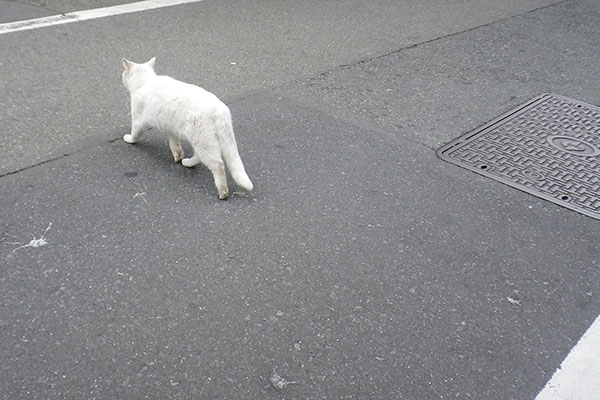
(35, 165)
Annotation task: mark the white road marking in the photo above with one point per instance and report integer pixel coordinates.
(89, 14)
(578, 377)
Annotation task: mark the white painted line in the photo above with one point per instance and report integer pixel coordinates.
(76, 16)
(578, 377)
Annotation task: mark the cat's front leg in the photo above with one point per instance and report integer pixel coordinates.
(136, 131)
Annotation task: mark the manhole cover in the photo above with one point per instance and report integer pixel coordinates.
(549, 147)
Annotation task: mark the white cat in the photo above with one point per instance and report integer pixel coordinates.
(185, 112)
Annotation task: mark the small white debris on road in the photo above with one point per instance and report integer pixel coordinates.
(35, 243)
(278, 382)
(514, 302)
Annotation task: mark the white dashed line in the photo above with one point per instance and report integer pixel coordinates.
(89, 14)
(578, 377)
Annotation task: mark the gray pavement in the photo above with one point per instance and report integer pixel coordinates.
(52, 7)
(73, 71)
(361, 266)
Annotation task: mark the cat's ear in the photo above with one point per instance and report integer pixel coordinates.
(126, 64)
(151, 62)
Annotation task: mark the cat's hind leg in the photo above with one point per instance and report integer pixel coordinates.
(208, 152)
(191, 161)
(176, 149)
(216, 166)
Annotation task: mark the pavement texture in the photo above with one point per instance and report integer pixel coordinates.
(361, 266)
(53, 7)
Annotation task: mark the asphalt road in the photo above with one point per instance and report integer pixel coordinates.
(361, 266)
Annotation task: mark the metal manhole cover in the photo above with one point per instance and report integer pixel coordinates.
(549, 147)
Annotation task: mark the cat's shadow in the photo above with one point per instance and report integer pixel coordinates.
(156, 152)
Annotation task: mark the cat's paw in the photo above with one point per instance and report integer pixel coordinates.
(129, 139)
(188, 162)
(224, 195)
(178, 155)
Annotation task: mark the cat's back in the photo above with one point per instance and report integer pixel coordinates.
(169, 89)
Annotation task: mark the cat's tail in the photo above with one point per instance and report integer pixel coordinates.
(229, 150)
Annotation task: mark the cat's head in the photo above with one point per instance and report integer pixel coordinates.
(133, 72)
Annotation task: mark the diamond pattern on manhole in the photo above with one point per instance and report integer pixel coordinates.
(549, 147)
